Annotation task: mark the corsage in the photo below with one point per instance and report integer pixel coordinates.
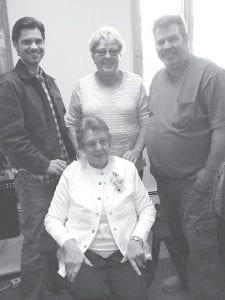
(117, 181)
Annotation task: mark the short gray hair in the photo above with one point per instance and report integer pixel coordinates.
(168, 20)
(89, 122)
(108, 34)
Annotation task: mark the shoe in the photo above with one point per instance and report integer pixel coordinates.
(53, 291)
(173, 284)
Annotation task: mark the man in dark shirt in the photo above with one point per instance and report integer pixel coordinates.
(33, 136)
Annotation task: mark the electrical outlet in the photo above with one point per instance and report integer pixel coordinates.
(15, 282)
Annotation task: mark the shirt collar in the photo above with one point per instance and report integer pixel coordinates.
(23, 72)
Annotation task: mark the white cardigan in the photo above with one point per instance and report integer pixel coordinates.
(75, 210)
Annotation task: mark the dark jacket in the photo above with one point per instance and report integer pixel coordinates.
(28, 134)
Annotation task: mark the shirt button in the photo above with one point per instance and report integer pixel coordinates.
(102, 173)
(100, 183)
(97, 214)
(85, 246)
(99, 198)
(93, 231)
(110, 213)
(115, 229)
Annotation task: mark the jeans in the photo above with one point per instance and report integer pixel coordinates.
(221, 236)
(192, 242)
(108, 279)
(35, 198)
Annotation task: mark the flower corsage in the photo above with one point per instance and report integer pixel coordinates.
(117, 181)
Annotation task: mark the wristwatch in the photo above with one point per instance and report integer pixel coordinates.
(137, 239)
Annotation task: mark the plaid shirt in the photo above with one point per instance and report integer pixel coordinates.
(47, 178)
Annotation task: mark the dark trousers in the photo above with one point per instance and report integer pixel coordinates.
(108, 279)
(192, 240)
(221, 236)
(39, 250)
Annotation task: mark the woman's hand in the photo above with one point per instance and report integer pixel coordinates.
(132, 155)
(135, 255)
(73, 259)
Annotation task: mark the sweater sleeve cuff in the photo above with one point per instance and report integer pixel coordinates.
(65, 238)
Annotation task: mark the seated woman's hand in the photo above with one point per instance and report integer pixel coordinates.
(73, 259)
(135, 255)
(132, 155)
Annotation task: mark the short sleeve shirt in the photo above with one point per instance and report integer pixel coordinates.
(184, 114)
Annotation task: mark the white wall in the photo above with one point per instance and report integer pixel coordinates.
(69, 24)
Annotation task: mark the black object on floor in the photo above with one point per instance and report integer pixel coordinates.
(9, 223)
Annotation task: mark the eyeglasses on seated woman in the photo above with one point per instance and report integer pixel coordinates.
(100, 216)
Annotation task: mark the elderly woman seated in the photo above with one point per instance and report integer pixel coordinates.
(101, 216)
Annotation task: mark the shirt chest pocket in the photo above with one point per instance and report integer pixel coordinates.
(184, 114)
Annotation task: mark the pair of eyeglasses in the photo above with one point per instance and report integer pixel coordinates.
(93, 144)
(111, 51)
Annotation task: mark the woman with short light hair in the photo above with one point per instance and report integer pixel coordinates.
(117, 96)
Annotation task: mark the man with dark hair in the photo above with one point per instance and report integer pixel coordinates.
(34, 137)
(185, 142)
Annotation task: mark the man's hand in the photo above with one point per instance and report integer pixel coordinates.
(56, 167)
(204, 180)
(132, 155)
(135, 255)
(73, 259)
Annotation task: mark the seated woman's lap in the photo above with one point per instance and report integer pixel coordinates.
(108, 279)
